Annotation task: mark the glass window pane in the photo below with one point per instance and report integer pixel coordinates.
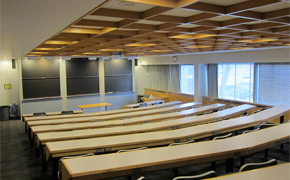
(235, 81)
(187, 79)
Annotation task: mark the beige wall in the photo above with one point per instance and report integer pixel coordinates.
(8, 76)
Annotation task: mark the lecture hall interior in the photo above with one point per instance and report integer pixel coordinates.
(145, 89)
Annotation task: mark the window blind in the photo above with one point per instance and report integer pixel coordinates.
(273, 83)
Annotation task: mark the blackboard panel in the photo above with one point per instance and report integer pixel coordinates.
(39, 88)
(77, 86)
(78, 67)
(40, 68)
(118, 84)
(118, 66)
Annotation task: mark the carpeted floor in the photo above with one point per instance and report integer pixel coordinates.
(18, 160)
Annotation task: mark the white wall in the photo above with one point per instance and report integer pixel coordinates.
(8, 76)
(200, 60)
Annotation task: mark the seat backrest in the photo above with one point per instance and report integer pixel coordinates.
(232, 105)
(248, 131)
(67, 112)
(222, 137)
(39, 114)
(209, 112)
(264, 126)
(186, 142)
(255, 112)
(251, 166)
(221, 109)
(206, 175)
(127, 150)
(207, 104)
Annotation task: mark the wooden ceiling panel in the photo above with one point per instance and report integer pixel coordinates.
(161, 27)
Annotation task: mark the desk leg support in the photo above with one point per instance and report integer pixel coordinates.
(29, 133)
(175, 172)
(106, 108)
(25, 126)
(37, 153)
(44, 163)
(282, 146)
(281, 119)
(213, 165)
(32, 141)
(230, 165)
(242, 161)
(55, 168)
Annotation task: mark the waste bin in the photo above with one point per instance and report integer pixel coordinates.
(13, 113)
(4, 113)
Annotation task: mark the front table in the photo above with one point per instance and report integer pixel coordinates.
(94, 105)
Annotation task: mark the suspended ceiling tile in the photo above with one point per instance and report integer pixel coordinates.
(222, 18)
(128, 6)
(103, 18)
(272, 7)
(179, 12)
(223, 2)
(149, 22)
(188, 26)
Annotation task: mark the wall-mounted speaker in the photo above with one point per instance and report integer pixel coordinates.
(14, 64)
(136, 62)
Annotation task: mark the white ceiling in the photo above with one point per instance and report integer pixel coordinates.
(27, 23)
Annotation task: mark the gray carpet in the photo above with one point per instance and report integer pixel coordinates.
(18, 160)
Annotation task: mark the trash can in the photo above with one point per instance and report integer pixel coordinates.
(4, 113)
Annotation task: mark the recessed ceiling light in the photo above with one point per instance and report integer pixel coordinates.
(257, 40)
(92, 53)
(110, 49)
(139, 44)
(46, 49)
(161, 50)
(61, 42)
(197, 46)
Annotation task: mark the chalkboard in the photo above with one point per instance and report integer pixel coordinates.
(78, 86)
(118, 83)
(118, 66)
(40, 88)
(79, 67)
(40, 68)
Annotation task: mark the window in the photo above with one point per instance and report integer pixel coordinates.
(273, 83)
(187, 79)
(236, 81)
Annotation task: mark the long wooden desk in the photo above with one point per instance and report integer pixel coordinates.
(120, 164)
(108, 144)
(24, 116)
(150, 103)
(105, 144)
(94, 105)
(90, 133)
(127, 123)
(103, 113)
(114, 116)
(279, 172)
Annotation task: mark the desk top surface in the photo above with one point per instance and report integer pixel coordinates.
(269, 173)
(117, 111)
(150, 102)
(114, 116)
(94, 105)
(141, 119)
(162, 135)
(174, 154)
